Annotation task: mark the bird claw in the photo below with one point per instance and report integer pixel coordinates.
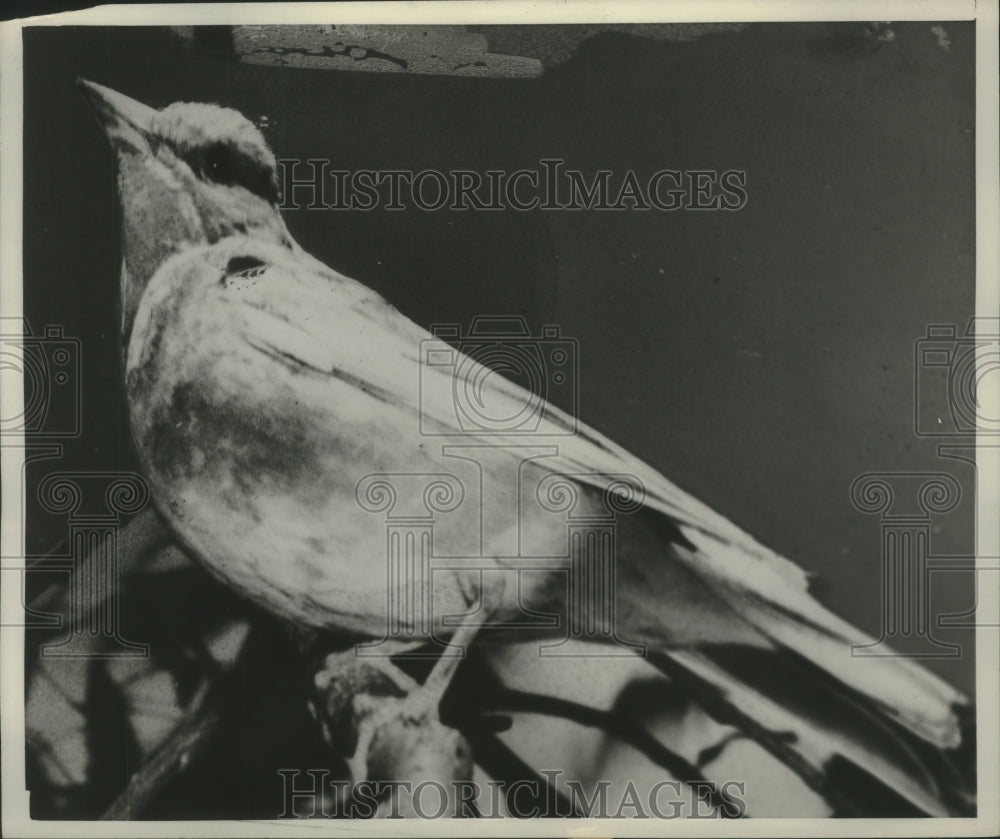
(385, 724)
(346, 686)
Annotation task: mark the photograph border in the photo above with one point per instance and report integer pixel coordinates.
(16, 821)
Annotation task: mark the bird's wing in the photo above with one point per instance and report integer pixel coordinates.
(352, 330)
(295, 308)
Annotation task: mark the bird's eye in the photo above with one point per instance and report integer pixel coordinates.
(219, 164)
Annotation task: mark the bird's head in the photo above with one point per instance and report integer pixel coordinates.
(188, 174)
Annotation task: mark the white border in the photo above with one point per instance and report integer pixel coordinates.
(518, 11)
(14, 800)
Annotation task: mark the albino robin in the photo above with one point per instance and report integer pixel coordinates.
(263, 386)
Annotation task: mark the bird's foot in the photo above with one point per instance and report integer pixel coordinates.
(344, 685)
(385, 724)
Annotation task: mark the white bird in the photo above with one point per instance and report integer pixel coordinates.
(262, 386)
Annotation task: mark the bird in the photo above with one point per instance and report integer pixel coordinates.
(262, 385)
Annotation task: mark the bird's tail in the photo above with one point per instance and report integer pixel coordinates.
(870, 735)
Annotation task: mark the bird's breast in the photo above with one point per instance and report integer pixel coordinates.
(255, 464)
(259, 411)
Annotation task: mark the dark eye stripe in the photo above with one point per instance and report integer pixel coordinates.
(224, 164)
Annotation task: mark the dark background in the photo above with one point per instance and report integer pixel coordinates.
(761, 359)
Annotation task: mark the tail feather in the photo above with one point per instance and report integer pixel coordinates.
(901, 688)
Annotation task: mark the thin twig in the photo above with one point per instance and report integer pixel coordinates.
(137, 538)
(616, 725)
(722, 710)
(184, 744)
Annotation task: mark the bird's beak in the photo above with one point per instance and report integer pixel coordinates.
(128, 123)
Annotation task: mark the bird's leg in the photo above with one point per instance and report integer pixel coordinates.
(444, 669)
(385, 724)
